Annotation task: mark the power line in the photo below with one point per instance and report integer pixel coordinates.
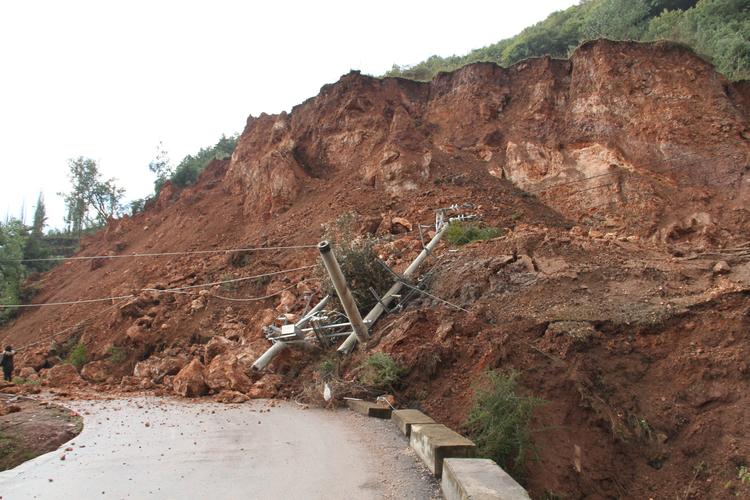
(255, 299)
(168, 290)
(434, 297)
(69, 303)
(486, 323)
(163, 254)
(73, 327)
(234, 280)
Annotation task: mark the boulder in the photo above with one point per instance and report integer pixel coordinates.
(266, 387)
(191, 380)
(156, 368)
(62, 375)
(96, 371)
(28, 373)
(287, 301)
(129, 381)
(721, 267)
(36, 358)
(138, 334)
(217, 345)
(225, 372)
(230, 397)
(400, 225)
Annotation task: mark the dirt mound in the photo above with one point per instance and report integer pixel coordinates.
(619, 178)
(32, 428)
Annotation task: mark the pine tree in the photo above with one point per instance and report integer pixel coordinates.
(36, 246)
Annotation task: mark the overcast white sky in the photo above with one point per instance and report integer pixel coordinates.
(109, 80)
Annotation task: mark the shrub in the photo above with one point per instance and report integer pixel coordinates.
(499, 420)
(380, 371)
(327, 369)
(743, 474)
(358, 262)
(78, 356)
(117, 354)
(459, 233)
(26, 381)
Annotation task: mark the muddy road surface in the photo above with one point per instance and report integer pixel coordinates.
(164, 448)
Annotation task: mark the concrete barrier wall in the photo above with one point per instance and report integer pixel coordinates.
(404, 419)
(449, 455)
(478, 479)
(435, 442)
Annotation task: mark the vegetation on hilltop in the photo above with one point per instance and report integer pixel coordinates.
(719, 30)
(189, 169)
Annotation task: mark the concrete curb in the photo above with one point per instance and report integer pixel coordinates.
(404, 419)
(449, 455)
(435, 442)
(478, 479)
(369, 409)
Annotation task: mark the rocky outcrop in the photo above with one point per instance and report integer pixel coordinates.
(630, 129)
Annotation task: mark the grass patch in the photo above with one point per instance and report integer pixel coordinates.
(78, 356)
(380, 371)
(500, 418)
(26, 381)
(117, 354)
(460, 233)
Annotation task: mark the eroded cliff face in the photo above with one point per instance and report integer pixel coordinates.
(642, 354)
(646, 136)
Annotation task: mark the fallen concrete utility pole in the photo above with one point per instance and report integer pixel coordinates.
(279, 346)
(342, 290)
(347, 346)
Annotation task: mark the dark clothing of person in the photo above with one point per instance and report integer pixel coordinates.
(7, 363)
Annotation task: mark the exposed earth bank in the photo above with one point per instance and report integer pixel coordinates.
(619, 287)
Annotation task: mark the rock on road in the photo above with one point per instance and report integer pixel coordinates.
(166, 448)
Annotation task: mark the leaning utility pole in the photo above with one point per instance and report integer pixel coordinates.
(347, 346)
(295, 333)
(361, 332)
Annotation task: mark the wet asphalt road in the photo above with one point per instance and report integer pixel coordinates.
(146, 448)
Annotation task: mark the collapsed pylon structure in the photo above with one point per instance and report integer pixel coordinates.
(326, 325)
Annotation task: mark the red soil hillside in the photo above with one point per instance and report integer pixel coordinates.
(621, 177)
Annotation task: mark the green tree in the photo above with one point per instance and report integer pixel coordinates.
(190, 168)
(13, 234)
(617, 20)
(161, 167)
(36, 246)
(91, 200)
(719, 30)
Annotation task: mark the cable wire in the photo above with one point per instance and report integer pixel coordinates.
(68, 303)
(255, 299)
(73, 327)
(163, 254)
(234, 280)
(168, 290)
(434, 297)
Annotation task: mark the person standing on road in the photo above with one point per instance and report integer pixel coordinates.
(7, 362)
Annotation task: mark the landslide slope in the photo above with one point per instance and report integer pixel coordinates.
(620, 177)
